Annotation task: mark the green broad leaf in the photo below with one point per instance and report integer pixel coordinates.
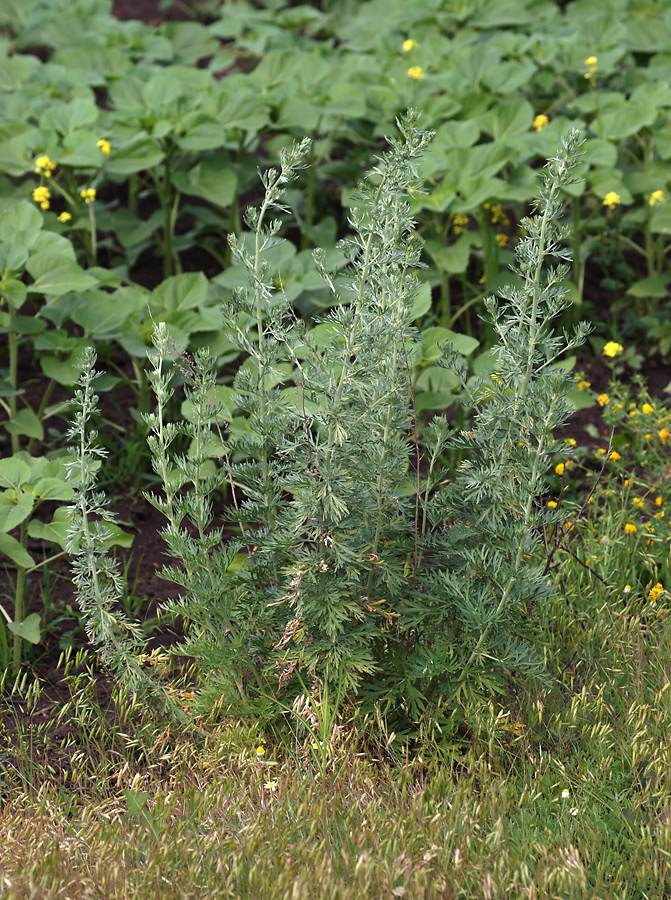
(14, 292)
(581, 399)
(14, 472)
(179, 292)
(221, 394)
(13, 256)
(616, 124)
(454, 259)
(117, 537)
(53, 488)
(213, 180)
(21, 222)
(64, 371)
(54, 532)
(29, 629)
(26, 422)
(56, 244)
(600, 153)
(654, 287)
(15, 551)
(437, 379)
(55, 276)
(431, 337)
(25, 325)
(136, 802)
(104, 316)
(508, 119)
(15, 508)
(136, 156)
(422, 303)
(66, 117)
(660, 220)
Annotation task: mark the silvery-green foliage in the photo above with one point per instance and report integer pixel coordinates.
(401, 586)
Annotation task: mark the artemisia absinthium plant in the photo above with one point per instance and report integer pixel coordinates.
(348, 567)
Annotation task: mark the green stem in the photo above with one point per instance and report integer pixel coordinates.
(13, 376)
(19, 603)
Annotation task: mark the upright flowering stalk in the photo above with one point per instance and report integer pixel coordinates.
(491, 573)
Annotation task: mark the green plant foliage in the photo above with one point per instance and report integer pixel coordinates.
(350, 568)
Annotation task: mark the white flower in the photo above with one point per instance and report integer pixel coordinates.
(565, 794)
(574, 810)
(270, 785)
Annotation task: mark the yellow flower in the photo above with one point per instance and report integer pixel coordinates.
(611, 200)
(501, 240)
(646, 409)
(600, 451)
(64, 217)
(603, 400)
(655, 592)
(627, 589)
(88, 194)
(664, 434)
(637, 502)
(571, 442)
(659, 501)
(656, 198)
(582, 385)
(44, 166)
(540, 122)
(630, 529)
(260, 751)
(559, 468)
(648, 437)
(615, 455)
(416, 72)
(459, 222)
(591, 61)
(409, 45)
(612, 348)
(105, 146)
(42, 195)
(552, 504)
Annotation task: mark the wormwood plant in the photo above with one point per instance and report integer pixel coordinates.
(353, 564)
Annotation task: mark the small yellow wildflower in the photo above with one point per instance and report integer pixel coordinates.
(630, 529)
(664, 435)
(611, 200)
(409, 45)
(603, 400)
(552, 504)
(565, 794)
(559, 468)
(42, 195)
(459, 222)
(571, 442)
(601, 451)
(501, 240)
(638, 503)
(105, 146)
(627, 589)
(416, 72)
(64, 217)
(583, 385)
(612, 348)
(656, 198)
(648, 437)
(646, 409)
(540, 122)
(615, 455)
(659, 501)
(260, 751)
(88, 194)
(591, 61)
(44, 166)
(655, 592)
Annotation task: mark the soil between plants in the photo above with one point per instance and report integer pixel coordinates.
(146, 557)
